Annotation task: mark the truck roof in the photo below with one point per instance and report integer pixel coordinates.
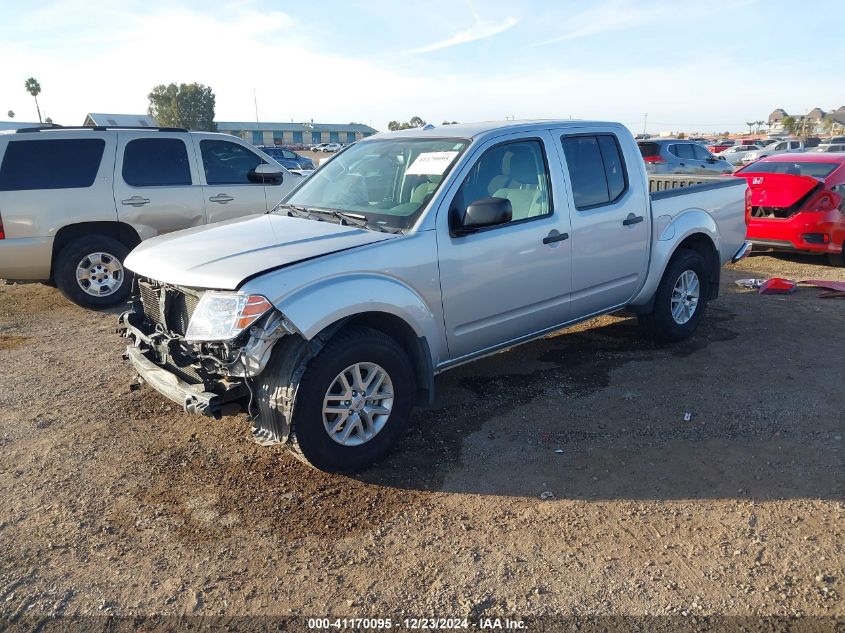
(484, 128)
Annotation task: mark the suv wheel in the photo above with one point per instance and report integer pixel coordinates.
(354, 401)
(89, 271)
(680, 299)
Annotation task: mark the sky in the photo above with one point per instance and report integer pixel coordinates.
(703, 66)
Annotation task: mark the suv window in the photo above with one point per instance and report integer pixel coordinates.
(51, 164)
(516, 171)
(156, 162)
(700, 152)
(227, 163)
(596, 169)
(682, 150)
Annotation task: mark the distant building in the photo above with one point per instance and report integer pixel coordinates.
(294, 133)
(125, 120)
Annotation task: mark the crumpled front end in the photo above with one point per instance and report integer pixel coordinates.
(208, 377)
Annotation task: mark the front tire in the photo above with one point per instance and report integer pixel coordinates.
(837, 259)
(89, 271)
(354, 401)
(680, 300)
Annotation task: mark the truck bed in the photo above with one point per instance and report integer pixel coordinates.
(661, 187)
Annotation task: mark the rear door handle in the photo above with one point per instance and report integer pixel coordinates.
(554, 236)
(135, 201)
(221, 198)
(632, 219)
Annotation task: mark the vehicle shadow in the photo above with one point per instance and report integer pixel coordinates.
(598, 413)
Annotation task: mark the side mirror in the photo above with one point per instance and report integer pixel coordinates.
(483, 213)
(267, 173)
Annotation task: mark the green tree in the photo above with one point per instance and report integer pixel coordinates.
(11, 114)
(34, 88)
(759, 125)
(789, 124)
(190, 106)
(414, 122)
(750, 125)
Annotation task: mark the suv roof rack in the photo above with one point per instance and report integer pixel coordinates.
(98, 128)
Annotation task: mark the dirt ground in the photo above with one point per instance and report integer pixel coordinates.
(557, 479)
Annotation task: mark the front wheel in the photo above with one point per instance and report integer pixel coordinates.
(837, 259)
(354, 401)
(680, 299)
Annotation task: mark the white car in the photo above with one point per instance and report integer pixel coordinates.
(830, 147)
(734, 154)
(781, 147)
(331, 147)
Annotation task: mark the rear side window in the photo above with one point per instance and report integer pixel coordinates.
(596, 169)
(156, 162)
(51, 164)
(682, 150)
(649, 149)
(700, 152)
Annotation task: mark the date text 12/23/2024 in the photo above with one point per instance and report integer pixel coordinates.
(429, 624)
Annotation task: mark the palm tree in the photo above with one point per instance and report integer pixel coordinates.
(750, 125)
(34, 88)
(759, 125)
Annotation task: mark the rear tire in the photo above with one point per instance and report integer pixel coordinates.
(89, 271)
(368, 423)
(680, 300)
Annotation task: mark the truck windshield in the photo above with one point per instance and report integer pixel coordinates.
(387, 182)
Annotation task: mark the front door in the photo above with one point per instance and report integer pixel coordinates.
(512, 280)
(230, 187)
(156, 182)
(610, 224)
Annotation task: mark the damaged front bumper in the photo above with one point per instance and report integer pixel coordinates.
(743, 252)
(155, 359)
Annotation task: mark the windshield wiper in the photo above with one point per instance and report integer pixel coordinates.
(343, 217)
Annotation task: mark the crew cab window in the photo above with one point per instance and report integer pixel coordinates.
(596, 169)
(156, 162)
(51, 164)
(516, 171)
(227, 163)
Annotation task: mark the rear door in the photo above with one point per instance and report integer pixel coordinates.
(684, 158)
(230, 187)
(611, 221)
(156, 182)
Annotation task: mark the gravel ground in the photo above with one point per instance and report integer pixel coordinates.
(557, 479)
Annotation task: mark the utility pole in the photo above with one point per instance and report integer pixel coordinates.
(255, 99)
(645, 120)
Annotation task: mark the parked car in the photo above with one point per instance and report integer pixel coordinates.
(673, 156)
(331, 147)
(765, 142)
(287, 157)
(74, 224)
(318, 147)
(797, 203)
(786, 146)
(827, 148)
(835, 139)
(734, 154)
(721, 145)
(414, 252)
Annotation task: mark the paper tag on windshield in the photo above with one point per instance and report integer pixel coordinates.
(431, 163)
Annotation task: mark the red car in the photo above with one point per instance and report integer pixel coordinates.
(797, 203)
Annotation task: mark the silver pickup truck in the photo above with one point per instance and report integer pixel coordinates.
(410, 253)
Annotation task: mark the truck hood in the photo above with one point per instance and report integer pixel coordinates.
(221, 256)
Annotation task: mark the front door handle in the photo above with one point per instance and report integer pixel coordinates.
(632, 219)
(221, 198)
(135, 201)
(554, 236)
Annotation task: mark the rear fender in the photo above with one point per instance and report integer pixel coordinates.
(687, 223)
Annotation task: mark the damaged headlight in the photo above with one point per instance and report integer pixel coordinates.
(221, 316)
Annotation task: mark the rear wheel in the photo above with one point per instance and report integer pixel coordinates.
(354, 401)
(680, 299)
(837, 259)
(89, 271)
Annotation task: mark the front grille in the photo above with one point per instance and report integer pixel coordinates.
(174, 313)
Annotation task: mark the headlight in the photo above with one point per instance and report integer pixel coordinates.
(221, 316)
